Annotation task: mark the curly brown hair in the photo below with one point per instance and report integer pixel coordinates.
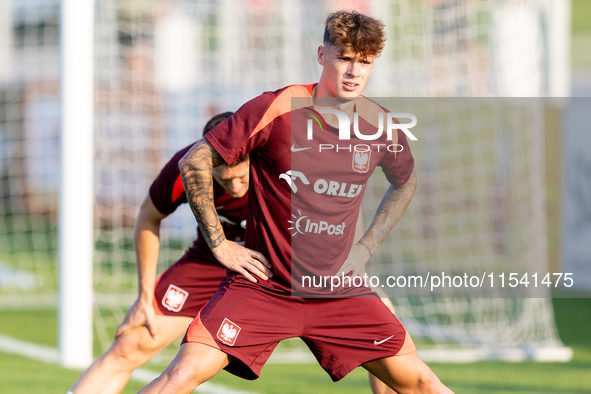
(362, 34)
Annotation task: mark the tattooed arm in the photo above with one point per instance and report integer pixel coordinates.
(393, 205)
(196, 171)
(391, 208)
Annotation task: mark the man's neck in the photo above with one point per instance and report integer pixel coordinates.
(348, 106)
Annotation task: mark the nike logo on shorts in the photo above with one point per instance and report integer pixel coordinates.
(382, 341)
(294, 149)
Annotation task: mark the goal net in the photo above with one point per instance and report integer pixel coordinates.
(163, 68)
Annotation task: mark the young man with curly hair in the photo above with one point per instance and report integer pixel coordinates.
(292, 177)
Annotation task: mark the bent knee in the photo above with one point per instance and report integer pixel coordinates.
(427, 382)
(129, 348)
(186, 374)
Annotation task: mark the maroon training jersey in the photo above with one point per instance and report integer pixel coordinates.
(304, 196)
(168, 193)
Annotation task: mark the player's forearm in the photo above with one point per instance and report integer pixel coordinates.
(391, 208)
(147, 245)
(196, 170)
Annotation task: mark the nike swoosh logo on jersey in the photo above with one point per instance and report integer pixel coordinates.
(294, 149)
(382, 341)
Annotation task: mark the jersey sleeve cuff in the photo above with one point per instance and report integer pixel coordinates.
(399, 181)
(220, 149)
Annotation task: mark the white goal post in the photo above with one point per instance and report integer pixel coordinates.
(76, 193)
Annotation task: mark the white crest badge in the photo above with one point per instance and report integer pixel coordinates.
(175, 298)
(361, 161)
(228, 332)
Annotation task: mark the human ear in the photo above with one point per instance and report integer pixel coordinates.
(321, 55)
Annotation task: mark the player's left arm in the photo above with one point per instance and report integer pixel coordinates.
(392, 206)
(356, 264)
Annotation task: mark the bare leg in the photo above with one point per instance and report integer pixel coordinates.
(406, 375)
(194, 364)
(110, 372)
(379, 387)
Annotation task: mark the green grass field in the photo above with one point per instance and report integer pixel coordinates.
(19, 375)
(581, 16)
(581, 38)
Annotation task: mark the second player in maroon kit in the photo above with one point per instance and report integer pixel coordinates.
(164, 309)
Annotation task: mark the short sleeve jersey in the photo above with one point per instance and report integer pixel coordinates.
(168, 193)
(305, 194)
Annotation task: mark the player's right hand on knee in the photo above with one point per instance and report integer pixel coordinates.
(140, 314)
(247, 262)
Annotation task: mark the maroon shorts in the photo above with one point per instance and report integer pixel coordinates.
(247, 321)
(186, 286)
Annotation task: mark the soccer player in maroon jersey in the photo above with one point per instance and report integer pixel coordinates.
(164, 309)
(250, 313)
(161, 316)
